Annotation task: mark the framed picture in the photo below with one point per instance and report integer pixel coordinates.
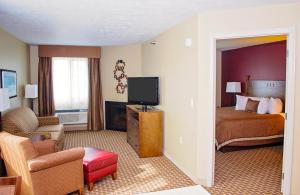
(9, 81)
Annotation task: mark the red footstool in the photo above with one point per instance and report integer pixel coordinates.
(98, 164)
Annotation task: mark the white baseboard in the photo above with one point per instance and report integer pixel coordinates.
(191, 176)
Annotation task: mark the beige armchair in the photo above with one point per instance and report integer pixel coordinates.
(23, 122)
(43, 171)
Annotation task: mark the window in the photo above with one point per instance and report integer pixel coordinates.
(70, 83)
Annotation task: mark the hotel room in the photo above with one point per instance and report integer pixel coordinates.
(149, 97)
(251, 82)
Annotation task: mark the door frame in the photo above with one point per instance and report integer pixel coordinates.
(289, 94)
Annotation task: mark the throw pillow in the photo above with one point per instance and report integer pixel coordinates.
(251, 105)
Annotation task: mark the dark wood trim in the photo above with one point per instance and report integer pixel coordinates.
(90, 186)
(114, 176)
(16, 181)
(81, 191)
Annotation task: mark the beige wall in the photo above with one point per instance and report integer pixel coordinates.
(185, 75)
(238, 21)
(176, 66)
(34, 62)
(131, 54)
(14, 55)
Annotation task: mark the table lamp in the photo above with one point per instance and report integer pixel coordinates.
(234, 88)
(31, 92)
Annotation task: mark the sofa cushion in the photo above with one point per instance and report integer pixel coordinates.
(24, 118)
(51, 128)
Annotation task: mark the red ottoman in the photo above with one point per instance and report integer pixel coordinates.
(98, 164)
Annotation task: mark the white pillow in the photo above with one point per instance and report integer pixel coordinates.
(275, 106)
(241, 102)
(263, 106)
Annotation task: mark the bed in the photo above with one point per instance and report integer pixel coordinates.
(241, 128)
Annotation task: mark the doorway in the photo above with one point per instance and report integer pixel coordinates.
(289, 94)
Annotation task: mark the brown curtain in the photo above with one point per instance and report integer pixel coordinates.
(95, 110)
(45, 87)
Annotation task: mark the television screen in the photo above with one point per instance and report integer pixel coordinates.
(143, 90)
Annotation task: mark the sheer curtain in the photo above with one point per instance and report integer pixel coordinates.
(70, 83)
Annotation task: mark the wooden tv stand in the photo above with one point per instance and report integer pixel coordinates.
(144, 131)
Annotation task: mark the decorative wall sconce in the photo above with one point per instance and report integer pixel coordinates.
(120, 76)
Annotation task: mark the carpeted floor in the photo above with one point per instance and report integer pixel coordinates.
(245, 172)
(135, 175)
(253, 172)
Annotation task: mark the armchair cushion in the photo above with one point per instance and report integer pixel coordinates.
(55, 159)
(44, 147)
(48, 120)
(31, 134)
(51, 128)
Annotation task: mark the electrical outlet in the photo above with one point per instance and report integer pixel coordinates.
(180, 140)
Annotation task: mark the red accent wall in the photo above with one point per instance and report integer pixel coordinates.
(260, 62)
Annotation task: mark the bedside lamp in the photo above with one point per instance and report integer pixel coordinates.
(234, 88)
(31, 92)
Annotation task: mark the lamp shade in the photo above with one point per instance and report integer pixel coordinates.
(31, 91)
(233, 87)
(4, 99)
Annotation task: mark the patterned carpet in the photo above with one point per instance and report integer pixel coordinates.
(135, 175)
(253, 172)
(245, 172)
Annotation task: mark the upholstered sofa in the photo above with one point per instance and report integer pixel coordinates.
(43, 171)
(23, 122)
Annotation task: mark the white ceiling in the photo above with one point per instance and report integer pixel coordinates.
(102, 22)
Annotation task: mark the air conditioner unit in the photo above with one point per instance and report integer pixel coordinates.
(72, 117)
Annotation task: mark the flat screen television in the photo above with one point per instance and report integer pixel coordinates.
(143, 90)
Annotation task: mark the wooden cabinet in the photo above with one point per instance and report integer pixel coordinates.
(144, 131)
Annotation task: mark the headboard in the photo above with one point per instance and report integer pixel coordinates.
(263, 88)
